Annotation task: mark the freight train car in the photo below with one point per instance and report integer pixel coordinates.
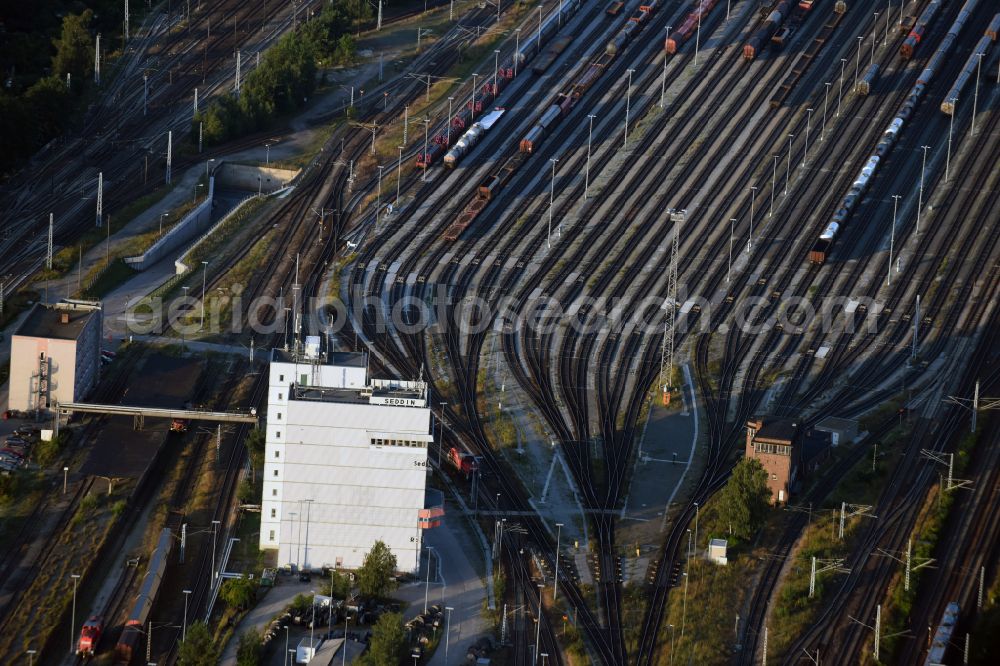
(971, 65)
(130, 639)
(559, 108)
(864, 86)
(468, 140)
(919, 28)
(691, 22)
(822, 245)
(763, 34)
(942, 637)
(555, 48)
(993, 28)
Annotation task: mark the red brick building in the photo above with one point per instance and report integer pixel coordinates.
(772, 443)
(787, 454)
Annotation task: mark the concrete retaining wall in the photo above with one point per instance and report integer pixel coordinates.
(193, 224)
(179, 266)
(245, 177)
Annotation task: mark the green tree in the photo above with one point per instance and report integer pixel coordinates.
(248, 653)
(246, 492)
(255, 446)
(388, 641)
(745, 499)
(239, 593)
(74, 48)
(340, 585)
(376, 578)
(198, 649)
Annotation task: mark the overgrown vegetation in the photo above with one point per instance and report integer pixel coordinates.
(45, 40)
(388, 642)
(987, 629)
(198, 649)
(239, 593)
(745, 499)
(250, 648)
(48, 452)
(926, 534)
(286, 76)
(376, 578)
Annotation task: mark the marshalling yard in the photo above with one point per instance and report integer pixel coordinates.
(625, 244)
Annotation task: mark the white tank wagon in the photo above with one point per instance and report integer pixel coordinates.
(471, 137)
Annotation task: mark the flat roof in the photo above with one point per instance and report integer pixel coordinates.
(45, 321)
(777, 430)
(337, 359)
(351, 395)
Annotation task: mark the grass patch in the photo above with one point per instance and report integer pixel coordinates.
(113, 276)
(16, 303)
(926, 534)
(67, 258)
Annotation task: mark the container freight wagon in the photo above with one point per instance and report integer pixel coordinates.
(943, 636)
(559, 108)
(864, 86)
(919, 28)
(822, 246)
(971, 65)
(131, 638)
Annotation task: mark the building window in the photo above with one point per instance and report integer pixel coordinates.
(277, 433)
(277, 454)
(274, 492)
(279, 416)
(274, 513)
(774, 477)
(305, 380)
(276, 472)
(281, 396)
(281, 378)
(271, 535)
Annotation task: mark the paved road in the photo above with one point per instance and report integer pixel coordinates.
(460, 586)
